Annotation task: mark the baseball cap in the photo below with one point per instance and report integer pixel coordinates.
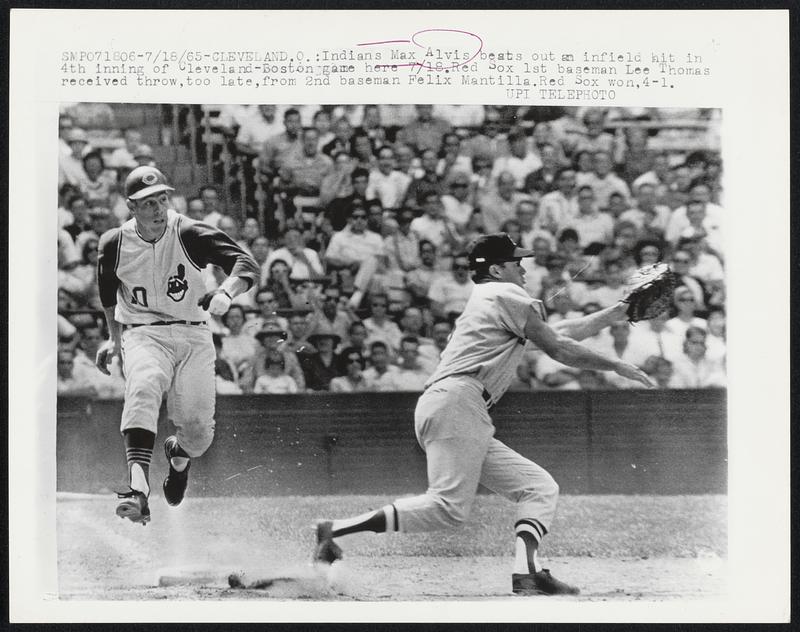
(77, 135)
(495, 248)
(144, 181)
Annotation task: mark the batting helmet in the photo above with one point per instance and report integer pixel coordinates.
(144, 181)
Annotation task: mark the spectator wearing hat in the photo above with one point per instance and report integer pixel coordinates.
(70, 167)
(274, 380)
(123, 157)
(272, 337)
(385, 182)
(449, 294)
(144, 157)
(320, 363)
(693, 369)
(353, 380)
(685, 306)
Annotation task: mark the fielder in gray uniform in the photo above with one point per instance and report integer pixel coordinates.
(452, 419)
(156, 305)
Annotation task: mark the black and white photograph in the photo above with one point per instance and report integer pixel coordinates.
(494, 333)
(398, 316)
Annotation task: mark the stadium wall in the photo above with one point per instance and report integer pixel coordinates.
(593, 442)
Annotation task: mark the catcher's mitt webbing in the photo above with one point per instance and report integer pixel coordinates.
(650, 291)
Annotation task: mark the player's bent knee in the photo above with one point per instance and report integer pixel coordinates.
(453, 514)
(196, 442)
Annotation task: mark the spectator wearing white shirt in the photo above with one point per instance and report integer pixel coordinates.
(693, 369)
(387, 183)
(412, 375)
(381, 376)
(558, 207)
(353, 380)
(449, 294)
(703, 266)
(303, 262)
(591, 225)
(458, 206)
(461, 115)
(275, 380)
(530, 230)
(433, 227)
(520, 162)
(651, 218)
(679, 221)
(379, 326)
(605, 182)
(685, 318)
(124, 156)
(616, 342)
(500, 205)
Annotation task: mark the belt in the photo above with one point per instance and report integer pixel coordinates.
(167, 322)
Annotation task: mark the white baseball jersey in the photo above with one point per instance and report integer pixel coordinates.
(162, 280)
(489, 341)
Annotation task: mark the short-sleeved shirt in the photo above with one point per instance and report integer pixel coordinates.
(489, 341)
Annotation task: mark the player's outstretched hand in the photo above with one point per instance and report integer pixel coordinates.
(105, 354)
(634, 373)
(216, 302)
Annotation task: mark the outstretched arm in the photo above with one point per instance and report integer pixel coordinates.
(567, 351)
(588, 326)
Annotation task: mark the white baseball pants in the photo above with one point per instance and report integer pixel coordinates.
(457, 434)
(177, 360)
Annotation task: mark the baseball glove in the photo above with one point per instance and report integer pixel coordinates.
(650, 291)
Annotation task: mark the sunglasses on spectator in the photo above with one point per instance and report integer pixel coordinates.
(461, 266)
(359, 216)
(355, 359)
(676, 260)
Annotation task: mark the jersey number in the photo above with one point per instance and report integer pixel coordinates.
(139, 296)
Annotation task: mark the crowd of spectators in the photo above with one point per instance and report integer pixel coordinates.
(361, 220)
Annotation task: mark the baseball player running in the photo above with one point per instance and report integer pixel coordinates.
(453, 425)
(155, 304)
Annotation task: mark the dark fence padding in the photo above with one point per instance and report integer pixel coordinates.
(621, 442)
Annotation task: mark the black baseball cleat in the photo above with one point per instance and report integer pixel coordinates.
(175, 482)
(133, 506)
(327, 550)
(540, 583)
